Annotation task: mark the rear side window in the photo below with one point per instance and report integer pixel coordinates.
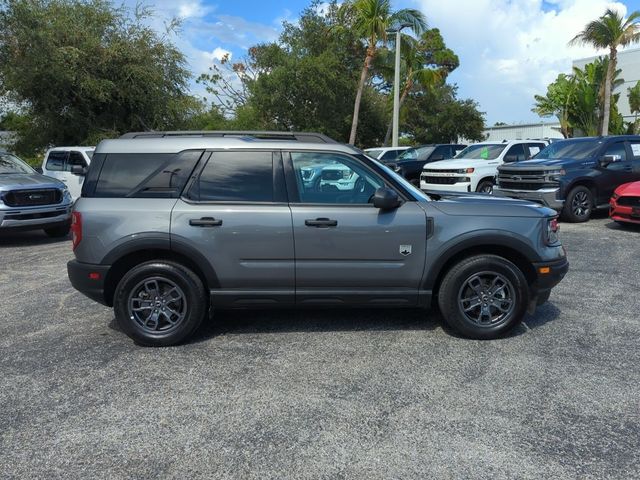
(56, 161)
(236, 177)
(145, 175)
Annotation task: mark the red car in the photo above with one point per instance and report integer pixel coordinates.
(625, 203)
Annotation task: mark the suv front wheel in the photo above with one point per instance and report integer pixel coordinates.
(160, 303)
(483, 296)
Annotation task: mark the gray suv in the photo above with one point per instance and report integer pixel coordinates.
(171, 225)
(31, 201)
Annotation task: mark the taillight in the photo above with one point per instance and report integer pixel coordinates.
(76, 228)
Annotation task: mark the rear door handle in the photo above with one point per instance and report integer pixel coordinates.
(321, 222)
(205, 222)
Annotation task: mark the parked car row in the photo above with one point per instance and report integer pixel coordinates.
(572, 176)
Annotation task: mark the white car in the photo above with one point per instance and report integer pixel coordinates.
(59, 162)
(475, 168)
(385, 154)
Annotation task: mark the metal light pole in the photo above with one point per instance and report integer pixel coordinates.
(396, 89)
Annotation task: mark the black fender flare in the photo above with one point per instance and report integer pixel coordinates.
(476, 239)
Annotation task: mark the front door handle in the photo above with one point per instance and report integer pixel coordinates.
(205, 222)
(321, 222)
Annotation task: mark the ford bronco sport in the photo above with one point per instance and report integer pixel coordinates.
(172, 224)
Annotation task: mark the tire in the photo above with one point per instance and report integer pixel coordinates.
(578, 205)
(495, 317)
(58, 232)
(485, 186)
(158, 324)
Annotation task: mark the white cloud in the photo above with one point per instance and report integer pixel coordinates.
(217, 54)
(192, 9)
(512, 49)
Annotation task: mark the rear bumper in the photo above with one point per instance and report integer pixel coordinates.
(546, 197)
(89, 279)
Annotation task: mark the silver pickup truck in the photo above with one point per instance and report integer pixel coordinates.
(31, 201)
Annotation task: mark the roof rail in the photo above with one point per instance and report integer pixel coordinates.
(308, 137)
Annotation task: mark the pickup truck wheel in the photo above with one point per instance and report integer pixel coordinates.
(159, 303)
(58, 232)
(578, 205)
(483, 297)
(486, 186)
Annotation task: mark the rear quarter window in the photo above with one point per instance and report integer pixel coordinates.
(144, 175)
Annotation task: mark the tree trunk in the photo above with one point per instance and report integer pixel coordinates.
(405, 92)
(356, 106)
(607, 92)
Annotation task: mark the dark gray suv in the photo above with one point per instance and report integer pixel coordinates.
(172, 224)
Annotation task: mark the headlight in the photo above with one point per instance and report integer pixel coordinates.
(552, 231)
(556, 176)
(466, 170)
(615, 196)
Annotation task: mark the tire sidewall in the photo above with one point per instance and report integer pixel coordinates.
(568, 214)
(453, 281)
(481, 186)
(189, 283)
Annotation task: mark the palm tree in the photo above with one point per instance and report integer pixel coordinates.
(634, 103)
(371, 19)
(415, 70)
(558, 101)
(610, 31)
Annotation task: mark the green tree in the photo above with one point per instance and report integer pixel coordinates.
(82, 70)
(437, 116)
(558, 101)
(633, 94)
(610, 31)
(370, 20)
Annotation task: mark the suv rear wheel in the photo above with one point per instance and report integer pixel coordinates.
(579, 205)
(483, 296)
(160, 303)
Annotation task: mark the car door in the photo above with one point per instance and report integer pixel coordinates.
(74, 181)
(515, 153)
(55, 165)
(635, 159)
(347, 251)
(615, 173)
(235, 213)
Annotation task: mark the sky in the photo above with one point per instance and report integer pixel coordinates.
(509, 50)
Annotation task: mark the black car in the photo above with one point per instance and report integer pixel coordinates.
(409, 164)
(574, 176)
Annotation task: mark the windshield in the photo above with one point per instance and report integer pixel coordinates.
(419, 194)
(12, 164)
(482, 151)
(419, 153)
(576, 149)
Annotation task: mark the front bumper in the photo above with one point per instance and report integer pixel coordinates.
(547, 197)
(624, 213)
(89, 279)
(548, 275)
(32, 218)
(462, 187)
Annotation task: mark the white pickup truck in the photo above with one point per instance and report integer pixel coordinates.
(475, 168)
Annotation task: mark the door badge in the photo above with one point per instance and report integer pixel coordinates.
(405, 250)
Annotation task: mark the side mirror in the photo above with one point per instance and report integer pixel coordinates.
(386, 199)
(39, 170)
(79, 170)
(510, 158)
(607, 159)
(436, 158)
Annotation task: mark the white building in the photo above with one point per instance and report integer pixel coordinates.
(629, 63)
(523, 131)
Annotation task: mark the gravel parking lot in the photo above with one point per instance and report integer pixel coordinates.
(324, 394)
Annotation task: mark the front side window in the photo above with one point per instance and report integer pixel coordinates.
(618, 150)
(11, 164)
(515, 153)
(75, 158)
(332, 178)
(482, 151)
(56, 161)
(236, 177)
